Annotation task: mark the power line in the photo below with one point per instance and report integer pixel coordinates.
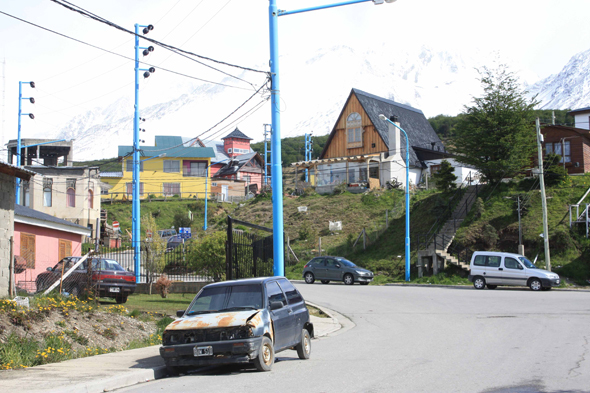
(120, 55)
(80, 10)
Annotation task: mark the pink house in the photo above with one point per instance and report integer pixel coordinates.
(40, 241)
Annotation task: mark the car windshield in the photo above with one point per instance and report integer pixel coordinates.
(346, 262)
(226, 298)
(528, 264)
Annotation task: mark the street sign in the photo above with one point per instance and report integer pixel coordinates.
(115, 224)
(185, 233)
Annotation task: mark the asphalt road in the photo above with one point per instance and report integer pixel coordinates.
(415, 339)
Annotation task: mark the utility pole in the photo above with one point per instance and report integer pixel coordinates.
(543, 198)
(520, 245)
(308, 151)
(3, 100)
(135, 209)
(18, 141)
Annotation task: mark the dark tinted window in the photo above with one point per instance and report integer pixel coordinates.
(274, 293)
(511, 263)
(480, 260)
(293, 295)
(331, 263)
(494, 261)
(317, 262)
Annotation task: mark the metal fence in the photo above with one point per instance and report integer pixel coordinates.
(248, 254)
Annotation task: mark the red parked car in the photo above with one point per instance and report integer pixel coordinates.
(110, 279)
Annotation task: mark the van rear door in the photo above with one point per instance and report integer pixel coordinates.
(493, 269)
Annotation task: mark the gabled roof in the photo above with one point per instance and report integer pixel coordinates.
(237, 134)
(218, 149)
(30, 216)
(412, 120)
(237, 163)
(587, 109)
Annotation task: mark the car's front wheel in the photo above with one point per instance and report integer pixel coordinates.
(348, 279)
(309, 278)
(266, 355)
(304, 347)
(535, 284)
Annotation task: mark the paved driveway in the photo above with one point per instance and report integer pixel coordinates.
(410, 339)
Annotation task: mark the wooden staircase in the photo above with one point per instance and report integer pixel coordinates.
(443, 239)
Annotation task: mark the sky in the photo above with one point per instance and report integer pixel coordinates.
(71, 78)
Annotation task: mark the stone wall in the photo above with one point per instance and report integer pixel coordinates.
(7, 195)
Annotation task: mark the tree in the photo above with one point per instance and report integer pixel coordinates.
(181, 220)
(207, 255)
(553, 171)
(445, 178)
(155, 249)
(497, 133)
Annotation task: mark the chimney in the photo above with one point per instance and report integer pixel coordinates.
(394, 136)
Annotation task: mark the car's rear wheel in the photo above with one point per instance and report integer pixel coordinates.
(325, 281)
(479, 282)
(266, 355)
(121, 299)
(491, 286)
(304, 347)
(309, 278)
(348, 279)
(535, 284)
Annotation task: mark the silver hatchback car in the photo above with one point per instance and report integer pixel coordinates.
(328, 269)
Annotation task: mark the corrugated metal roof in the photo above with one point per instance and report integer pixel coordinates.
(23, 211)
(235, 165)
(168, 141)
(178, 152)
(111, 174)
(587, 109)
(16, 171)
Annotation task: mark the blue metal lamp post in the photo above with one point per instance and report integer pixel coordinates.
(206, 178)
(18, 141)
(276, 172)
(135, 209)
(383, 117)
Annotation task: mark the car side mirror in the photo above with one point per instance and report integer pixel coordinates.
(338, 266)
(179, 313)
(276, 305)
(520, 267)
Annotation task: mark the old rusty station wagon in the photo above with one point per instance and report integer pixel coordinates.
(241, 321)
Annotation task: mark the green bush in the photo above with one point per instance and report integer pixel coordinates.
(307, 232)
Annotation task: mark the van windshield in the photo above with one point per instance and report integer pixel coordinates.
(528, 264)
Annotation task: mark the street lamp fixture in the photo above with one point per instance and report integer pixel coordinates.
(276, 170)
(383, 117)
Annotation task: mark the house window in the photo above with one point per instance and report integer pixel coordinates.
(27, 249)
(129, 165)
(90, 199)
(130, 189)
(354, 131)
(229, 150)
(170, 189)
(47, 192)
(171, 166)
(26, 193)
(198, 169)
(71, 197)
(434, 169)
(556, 149)
(65, 249)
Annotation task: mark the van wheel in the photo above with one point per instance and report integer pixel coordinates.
(535, 284)
(491, 286)
(479, 282)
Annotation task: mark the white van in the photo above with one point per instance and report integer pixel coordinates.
(489, 268)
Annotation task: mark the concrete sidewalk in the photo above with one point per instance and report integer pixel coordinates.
(113, 370)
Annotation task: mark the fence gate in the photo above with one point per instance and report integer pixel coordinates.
(248, 254)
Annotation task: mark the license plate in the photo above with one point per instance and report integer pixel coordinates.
(203, 351)
(114, 289)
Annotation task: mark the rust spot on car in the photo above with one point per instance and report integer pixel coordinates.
(255, 320)
(224, 320)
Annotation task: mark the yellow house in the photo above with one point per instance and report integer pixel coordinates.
(170, 168)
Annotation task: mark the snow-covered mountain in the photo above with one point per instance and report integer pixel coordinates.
(313, 91)
(570, 89)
